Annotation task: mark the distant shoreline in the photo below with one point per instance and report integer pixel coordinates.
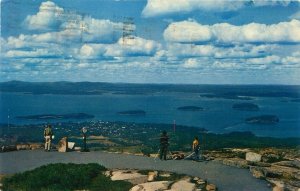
(241, 92)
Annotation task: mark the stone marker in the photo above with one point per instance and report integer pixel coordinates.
(71, 145)
(253, 157)
(63, 145)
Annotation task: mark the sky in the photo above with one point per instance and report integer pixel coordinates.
(151, 41)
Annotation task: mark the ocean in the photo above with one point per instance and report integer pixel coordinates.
(217, 116)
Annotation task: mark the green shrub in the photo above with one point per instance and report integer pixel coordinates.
(61, 177)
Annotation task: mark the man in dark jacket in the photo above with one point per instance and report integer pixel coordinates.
(164, 144)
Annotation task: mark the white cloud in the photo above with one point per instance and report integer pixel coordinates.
(95, 30)
(238, 51)
(92, 51)
(191, 63)
(187, 31)
(273, 59)
(32, 53)
(72, 26)
(134, 46)
(191, 31)
(162, 7)
(46, 18)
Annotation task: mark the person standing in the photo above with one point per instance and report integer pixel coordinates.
(48, 137)
(164, 144)
(196, 148)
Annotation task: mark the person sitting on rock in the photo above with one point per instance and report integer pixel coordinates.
(196, 148)
(48, 137)
(164, 144)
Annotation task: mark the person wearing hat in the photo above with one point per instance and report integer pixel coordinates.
(164, 144)
(48, 137)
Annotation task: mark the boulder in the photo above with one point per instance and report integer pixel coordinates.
(241, 163)
(8, 148)
(272, 173)
(152, 176)
(63, 145)
(35, 146)
(201, 182)
(253, 157)
(177, 155)
(211, 187)
(278, 185)
(151, 186)
(183, 185)
(257, 172)
(277, 188)
(164, 174)
(23, 147)
(270, 158)
(129, 175)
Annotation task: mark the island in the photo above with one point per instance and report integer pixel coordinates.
(55, 116)
(190, 108)
(245, 107)
(263, 119)
(132, 112)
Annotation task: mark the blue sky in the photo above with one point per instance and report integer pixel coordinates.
(153, 41)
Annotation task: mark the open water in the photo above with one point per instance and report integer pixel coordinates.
(218, 115)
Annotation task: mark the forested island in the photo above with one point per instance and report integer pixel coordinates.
(190, 108)
(263, 119)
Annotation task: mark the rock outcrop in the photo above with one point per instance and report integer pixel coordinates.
(280, 167)
(184, 184)
(156, 180)
(129, 175)
(152, 186)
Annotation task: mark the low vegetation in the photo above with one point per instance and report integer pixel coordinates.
(64, 177)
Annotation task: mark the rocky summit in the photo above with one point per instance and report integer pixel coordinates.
(280, 167)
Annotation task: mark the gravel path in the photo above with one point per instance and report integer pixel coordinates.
(224, 177)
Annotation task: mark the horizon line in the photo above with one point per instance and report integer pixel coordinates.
(153, 83)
